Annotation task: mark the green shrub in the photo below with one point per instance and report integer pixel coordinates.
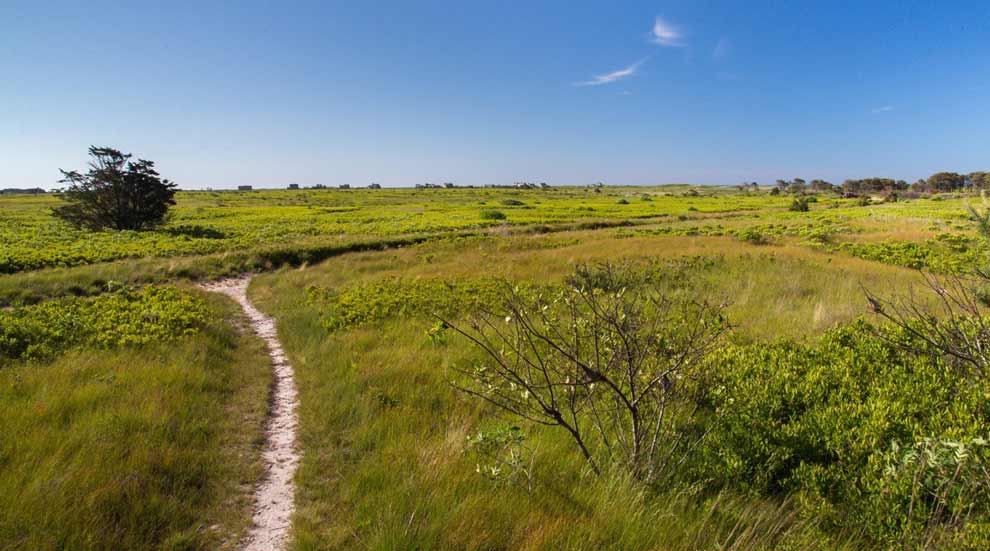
(822, 420)
(753, 236)
(492, 214)
(799, 204)
(124, 317)
(622, 202)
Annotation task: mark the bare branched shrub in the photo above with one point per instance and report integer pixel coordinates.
(954, 320)
(606, 358)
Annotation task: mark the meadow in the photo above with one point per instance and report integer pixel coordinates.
(133, 403)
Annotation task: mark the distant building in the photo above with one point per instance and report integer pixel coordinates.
(344, 186)
(293, 186)
(374, 186)
(244, 188)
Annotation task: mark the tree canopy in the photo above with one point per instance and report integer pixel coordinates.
(115, 193)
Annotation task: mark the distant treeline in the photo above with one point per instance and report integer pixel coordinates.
(936, 183)
(14, 190)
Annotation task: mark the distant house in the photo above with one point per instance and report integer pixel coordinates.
(293, 186)
(244, 188)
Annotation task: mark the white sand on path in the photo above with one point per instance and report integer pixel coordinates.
(274, 500)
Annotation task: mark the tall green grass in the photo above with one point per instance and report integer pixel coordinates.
(148, 447)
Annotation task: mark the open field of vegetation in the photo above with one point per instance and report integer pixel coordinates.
(129, 421)
(132, 404)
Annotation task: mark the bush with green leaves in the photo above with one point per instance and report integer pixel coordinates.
(502, 456)
(124, 317)
(818, 420)
(492, 214)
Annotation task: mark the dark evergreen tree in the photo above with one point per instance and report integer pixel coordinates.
(115, 193)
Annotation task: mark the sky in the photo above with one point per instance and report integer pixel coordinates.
(221, 94)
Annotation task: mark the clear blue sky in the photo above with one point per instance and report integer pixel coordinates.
(708, 92)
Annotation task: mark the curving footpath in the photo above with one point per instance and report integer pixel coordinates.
(274, 500)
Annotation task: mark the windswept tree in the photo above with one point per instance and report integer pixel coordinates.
(609, 358)
(115, 193)
(979, 180)
(821, 185)
(947, 181)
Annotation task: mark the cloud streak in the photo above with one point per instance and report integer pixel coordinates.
(614, 76)
(883, 109)
(722, 49)
(666, 34)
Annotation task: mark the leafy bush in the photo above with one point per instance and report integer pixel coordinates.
(819, 419)
(502, 456)
(492, 214)
(125, 317)
(753, 236)
(799, 204)
(943, 254)
(512, 202)
(622, 202)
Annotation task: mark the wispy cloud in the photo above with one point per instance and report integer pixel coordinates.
(883, 109)
(666, 34)
(722, 49)
(614, 76)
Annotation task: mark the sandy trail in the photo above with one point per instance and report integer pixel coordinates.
(274, 497)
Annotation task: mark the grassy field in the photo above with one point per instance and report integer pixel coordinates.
(810, 413)
(128, 424)
(207, 223)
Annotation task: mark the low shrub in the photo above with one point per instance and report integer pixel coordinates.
(124, 317)
(492, 214)
(841, 422)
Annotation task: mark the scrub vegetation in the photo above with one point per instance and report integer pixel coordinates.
(665, 368)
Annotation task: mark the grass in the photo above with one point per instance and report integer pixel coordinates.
(205, 223)
(785, 290)
(387, 465)
(152, 447)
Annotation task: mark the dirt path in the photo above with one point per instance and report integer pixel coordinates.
(274, 496)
